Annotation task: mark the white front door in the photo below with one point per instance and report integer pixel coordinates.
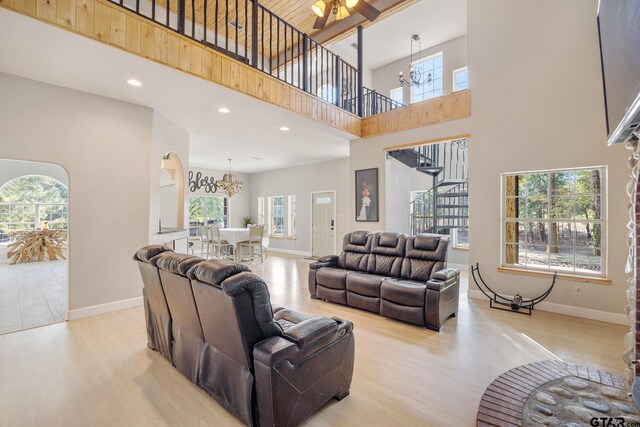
(323, 224)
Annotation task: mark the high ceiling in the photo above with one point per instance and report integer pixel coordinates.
(436, 21)
(250, 133)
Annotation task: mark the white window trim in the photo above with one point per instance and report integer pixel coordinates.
(454, 241)
(291, 217)
(425, 59)
(604, 247)
(271, 229)
(397, 89)
(453, 76)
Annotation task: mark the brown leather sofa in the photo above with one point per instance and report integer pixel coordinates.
(213, 320)
(395, 275)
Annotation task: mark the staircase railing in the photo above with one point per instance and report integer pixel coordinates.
(452, 207)
(249, 32)
(421, 208)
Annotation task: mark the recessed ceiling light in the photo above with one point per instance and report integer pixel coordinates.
(134, 82)
(258, 158)
(224, 110)
(284, 128)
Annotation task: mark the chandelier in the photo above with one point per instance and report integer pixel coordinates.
(416, 77)
(229, 184)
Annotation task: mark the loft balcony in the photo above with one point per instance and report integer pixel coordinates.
(244, 46)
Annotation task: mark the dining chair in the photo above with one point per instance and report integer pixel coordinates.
(217, 243)
(256, 235)
(203, 233)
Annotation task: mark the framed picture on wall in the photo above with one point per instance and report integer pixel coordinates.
(367, 195)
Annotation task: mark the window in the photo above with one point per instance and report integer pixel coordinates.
(397, 95)
(28, 201)
(460, 238)
(208, 210)
(554, 220)
(460, 79)
(276, 206)
(430, 70)
(261, 211)
(291, 216)
(327, 92)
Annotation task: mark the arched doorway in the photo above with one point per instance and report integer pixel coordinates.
(34, 200)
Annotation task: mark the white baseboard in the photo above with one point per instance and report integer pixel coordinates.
(569, 310)
(289, 251)
(93, 310)
(462, 267)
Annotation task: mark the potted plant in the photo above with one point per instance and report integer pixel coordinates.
(247, 220)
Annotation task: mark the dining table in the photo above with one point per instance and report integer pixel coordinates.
(234, 236)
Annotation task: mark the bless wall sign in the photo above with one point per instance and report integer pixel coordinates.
(199, 181)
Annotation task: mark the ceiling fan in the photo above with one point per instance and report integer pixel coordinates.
(340, 8)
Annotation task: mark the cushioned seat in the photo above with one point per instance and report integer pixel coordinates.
(404, 292)
(364, 284)
(333, 278)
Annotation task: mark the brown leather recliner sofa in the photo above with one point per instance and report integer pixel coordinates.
(213, 320)
(392, 274)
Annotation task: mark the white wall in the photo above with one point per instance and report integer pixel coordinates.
(239, 204)
(301, 181)
(454, 54)
(12, 169)
(537, 103)
(105, 146)
(167, 137)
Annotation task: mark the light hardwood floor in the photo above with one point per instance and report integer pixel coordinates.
(32, 294)
(98, 370)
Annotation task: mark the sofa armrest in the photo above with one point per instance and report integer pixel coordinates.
(443, 279)
(325, 261)
(302, 340)
(311, 330)
(445, 274)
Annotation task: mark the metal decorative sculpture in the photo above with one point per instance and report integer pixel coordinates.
(516, 303)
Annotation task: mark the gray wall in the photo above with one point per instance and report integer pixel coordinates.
(105, 146)
(561, 125)
(301, 181)
(454, 54)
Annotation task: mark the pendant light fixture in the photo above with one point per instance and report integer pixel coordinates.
(229, 184)
(416, 77)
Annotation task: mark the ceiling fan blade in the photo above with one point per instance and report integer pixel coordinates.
(322, 20)
(366, 10)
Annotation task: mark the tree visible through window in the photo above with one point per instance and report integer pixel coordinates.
(553, 220)
(208, 210)
(28, 201)
(277, 216)
(291, 226)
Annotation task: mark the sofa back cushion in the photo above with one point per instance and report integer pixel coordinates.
(355, 251)
(235, 312)
(387, 252)
(424, 255)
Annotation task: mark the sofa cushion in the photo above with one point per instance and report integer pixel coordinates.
(145, 254)
(214, 272)
(334, 278)
(403, 292)
(363, 302)
(364, 284)
(355, 251)
(425, 254)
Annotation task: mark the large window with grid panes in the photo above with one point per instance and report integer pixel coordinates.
(27, 202)
(554, 220)
(208, 210)
(429, 70)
